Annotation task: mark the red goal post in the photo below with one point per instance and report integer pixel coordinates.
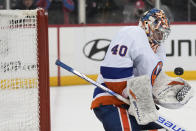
(24, 71)
(43, 61)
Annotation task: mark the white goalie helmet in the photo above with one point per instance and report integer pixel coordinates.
(156, 25)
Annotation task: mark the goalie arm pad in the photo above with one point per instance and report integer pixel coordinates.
(139, 91)
(170, 92)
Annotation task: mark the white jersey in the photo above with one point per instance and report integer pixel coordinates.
(128, 55)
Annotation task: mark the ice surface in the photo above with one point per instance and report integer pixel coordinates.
(70, 110)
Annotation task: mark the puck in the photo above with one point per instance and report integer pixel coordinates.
(179, 71)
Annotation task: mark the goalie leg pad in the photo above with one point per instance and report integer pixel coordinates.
(142, 106)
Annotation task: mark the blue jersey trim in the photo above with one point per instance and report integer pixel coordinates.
(116, 73)
(98, 90)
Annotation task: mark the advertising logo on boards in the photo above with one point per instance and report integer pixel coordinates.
(181, 47)
(96, 49)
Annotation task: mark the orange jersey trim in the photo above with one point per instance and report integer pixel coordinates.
(117, 87)
(106, 100)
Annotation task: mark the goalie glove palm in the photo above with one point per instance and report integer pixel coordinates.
(171, 92)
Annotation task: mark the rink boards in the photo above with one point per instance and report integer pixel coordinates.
(84, 47)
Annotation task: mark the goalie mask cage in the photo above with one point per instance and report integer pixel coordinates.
(24, 71)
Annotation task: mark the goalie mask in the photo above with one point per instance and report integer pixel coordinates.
(156, 26)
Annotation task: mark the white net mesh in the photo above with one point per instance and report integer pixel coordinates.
(19, 99)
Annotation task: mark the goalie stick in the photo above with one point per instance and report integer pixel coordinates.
(162, 121)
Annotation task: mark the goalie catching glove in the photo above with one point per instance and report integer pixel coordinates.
(142, 106)
(171, 92)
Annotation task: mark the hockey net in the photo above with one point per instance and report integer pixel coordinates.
(24, 71)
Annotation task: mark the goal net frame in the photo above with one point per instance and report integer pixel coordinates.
(42, 68)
